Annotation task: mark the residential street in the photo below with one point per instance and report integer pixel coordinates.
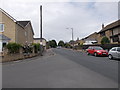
(61, 68)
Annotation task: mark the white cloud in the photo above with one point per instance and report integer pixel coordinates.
(84, 17)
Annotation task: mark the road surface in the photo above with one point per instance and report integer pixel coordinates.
(61, 68)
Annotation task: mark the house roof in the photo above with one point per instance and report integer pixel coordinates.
(90, 35)
(8, 15)
(3, 37)
(90, 39)
(110, 26)
(24, 24)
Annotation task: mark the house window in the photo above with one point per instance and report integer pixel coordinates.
(115, 39)
(25, 33)
(1, 27)
(115, 31)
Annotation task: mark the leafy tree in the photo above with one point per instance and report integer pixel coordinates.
(52, 44)
(61, 43)
(105, 40)
(71, 41)
(67, 45)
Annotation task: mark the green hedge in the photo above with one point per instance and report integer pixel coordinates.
(36, 47)
(13, 47)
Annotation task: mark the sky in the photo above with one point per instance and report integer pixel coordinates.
(84, 17)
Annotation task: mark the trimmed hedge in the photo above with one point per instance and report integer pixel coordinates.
(13, 47)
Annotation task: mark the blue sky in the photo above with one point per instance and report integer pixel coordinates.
(84, 17)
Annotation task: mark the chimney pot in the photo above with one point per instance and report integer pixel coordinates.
(102, 26)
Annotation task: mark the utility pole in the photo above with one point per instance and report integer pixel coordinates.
(41, 22)
(72, 36)
(41, 30)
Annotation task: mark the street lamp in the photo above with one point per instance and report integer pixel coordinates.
(72, 36)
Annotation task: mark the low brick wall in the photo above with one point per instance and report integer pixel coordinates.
(6, 56)
(15, 57)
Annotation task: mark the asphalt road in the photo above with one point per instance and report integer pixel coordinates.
(61, 68)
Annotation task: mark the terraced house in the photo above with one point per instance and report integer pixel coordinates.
(112, 31)
(91, 39)
(12, 30)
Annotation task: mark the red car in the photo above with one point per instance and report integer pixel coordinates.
(97, 51)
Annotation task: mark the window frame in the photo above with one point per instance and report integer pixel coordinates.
(2, 27)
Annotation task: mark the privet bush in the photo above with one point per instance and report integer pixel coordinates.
(36, 47)
(13, 47)
(105, 40)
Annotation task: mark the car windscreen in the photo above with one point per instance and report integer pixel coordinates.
(98, 48)
(118, 49)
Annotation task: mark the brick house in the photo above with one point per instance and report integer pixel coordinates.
(92, 38)
(25, 29)
(37, 40)
(112, 31)
(14, 31)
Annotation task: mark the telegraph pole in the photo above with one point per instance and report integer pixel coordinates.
(72, 37)
(41, 30)
(72, 34)
(41, 22)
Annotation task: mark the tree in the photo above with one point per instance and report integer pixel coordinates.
(105, 40)
(67, 45)
(52, 44)
(61, 43)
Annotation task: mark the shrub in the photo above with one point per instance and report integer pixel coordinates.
(67, 45)
(36, 47)
(13, 47)
(105, 40)
(61, 43)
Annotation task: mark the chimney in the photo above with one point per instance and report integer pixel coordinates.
(78, 38)
(102, 26)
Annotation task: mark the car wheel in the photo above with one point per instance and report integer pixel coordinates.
(95, 54)
(110, 56)
(88, 53)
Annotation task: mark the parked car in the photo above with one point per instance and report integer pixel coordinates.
(114, 53)
(97, 51)
(58, 47)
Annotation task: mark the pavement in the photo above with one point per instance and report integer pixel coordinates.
(61, 68)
